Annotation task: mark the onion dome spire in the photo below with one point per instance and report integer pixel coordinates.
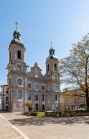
(16, 37)
(16, 33)
(51, 53)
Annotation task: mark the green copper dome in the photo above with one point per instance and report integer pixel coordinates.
(16, 38)
(16, 34)
(51, 49)
(51, 54)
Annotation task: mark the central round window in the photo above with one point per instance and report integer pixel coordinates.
(36, 86)
(19, 81)
(29, 85)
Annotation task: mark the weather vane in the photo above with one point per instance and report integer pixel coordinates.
(16, 24)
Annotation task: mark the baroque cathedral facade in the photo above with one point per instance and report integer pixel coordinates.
(24, 85)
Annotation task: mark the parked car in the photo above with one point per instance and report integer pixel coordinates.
(81, 109)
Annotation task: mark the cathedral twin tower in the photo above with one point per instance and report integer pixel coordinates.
(24, 86)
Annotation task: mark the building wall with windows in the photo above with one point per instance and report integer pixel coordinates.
(72, 100)
(25, 85)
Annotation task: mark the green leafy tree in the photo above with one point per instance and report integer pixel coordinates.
(74, 69)
(30, 105)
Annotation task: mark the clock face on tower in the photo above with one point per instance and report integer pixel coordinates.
(19, 66)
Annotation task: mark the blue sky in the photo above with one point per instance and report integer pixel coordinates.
(41, 21)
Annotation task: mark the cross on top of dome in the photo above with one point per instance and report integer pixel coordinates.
(16, 25)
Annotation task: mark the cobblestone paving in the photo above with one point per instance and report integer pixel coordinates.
(50, 128)
(7, 131)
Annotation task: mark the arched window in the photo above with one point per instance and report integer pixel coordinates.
(19, 94)
(43, 88)
(19, 54)
(29, 85)
(55, 97)
(42, 97)
(36, 87)
(55, 88)
(48, 67)
(19, 81)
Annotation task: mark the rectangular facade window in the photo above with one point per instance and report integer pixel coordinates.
(36, 97)
(29, 96)
(6, 100)
(42, 97)
(19, 94)
(55, 97)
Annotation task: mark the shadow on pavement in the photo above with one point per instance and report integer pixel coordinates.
(48, 120)
(4, 111)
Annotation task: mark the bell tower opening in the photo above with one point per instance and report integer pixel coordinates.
(19, 54)
(10, 55)
(55, 66)
(48, 67)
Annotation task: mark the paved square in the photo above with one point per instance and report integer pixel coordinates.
(50, 128)
(7, 131)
